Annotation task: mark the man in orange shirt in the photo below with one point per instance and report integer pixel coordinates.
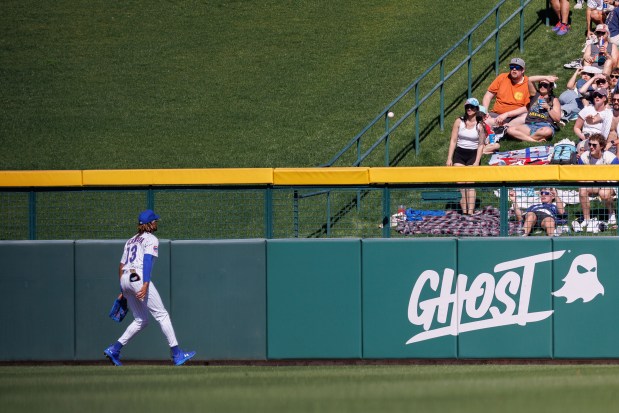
(511, 91)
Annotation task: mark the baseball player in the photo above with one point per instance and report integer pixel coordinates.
(142, 297)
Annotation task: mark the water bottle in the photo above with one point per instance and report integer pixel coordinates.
(540, 102)
(601, 57)
(492, 138)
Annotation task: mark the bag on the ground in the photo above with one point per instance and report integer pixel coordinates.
(564, 153)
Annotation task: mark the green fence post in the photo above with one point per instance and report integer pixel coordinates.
(268, 212)
(328, 214)
(417, 119)
(442, 96)
(386, 212)
(32, 215)
(295, 213)
(150, 199)
(504, 231)
(496, 43)
(470, 67)
(522, 24)
(387, 138)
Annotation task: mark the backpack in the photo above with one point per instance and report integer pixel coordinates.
(564, 154)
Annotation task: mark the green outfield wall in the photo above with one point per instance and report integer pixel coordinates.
(262, 299)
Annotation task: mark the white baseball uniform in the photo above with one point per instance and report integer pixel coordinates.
(131, 282)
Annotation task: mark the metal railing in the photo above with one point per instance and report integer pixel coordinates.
(414, 87)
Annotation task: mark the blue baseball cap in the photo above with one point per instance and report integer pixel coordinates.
(146, 217)
(472, 101)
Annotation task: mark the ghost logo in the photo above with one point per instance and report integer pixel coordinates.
(493, 300)
(581, 281)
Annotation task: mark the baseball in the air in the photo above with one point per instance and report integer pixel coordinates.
(390, 114)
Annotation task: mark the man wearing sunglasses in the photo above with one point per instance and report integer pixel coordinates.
(511, 93)
(596, 155)
(543, 215)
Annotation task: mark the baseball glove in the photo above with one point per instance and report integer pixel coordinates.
(119, 309)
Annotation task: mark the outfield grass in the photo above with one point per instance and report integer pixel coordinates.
(337, 389)
(154, 84)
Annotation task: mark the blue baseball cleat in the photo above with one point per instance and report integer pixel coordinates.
(180, 358)
(113, 355)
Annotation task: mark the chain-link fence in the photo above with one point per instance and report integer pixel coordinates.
(312, 212)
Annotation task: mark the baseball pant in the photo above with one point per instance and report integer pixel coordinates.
(140, 309)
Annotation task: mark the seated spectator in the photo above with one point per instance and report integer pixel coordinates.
(596, 155)
(613, 141)
(511, 94)
(489, 147)
(593, 119)
(543, 215)
(594, 14)
(466, 147)
(613, 79)
(602, 54)
(571, 100)
(544, 111)
(613, 23)
(598, 81)
(562, 10)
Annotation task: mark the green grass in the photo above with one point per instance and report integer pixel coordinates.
(221, 84)
(337, 389)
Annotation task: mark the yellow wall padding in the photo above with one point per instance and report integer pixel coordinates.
(321, 176)
(447, 174)
(223, 176)
(589, 172)
(310, 176)
(40, 178)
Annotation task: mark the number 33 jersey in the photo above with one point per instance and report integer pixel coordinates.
(136, 247)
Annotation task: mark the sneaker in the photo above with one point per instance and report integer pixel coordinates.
(612, 220)
(182, 357)
(578, 4)
(572, 117)
(592, 225)
(576, 226)
(564, 29)
(574, 64)
(557, 27)
(113, 355)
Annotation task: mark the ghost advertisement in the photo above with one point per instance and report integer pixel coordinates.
(501, 298)
(581, 282)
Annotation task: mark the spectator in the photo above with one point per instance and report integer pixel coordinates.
(613, 23)
(612, 143)
(571, 100)
(489, 147)
(594, 14)
(603, 53)
(543, 215)
(593, 119)
(596, 155)
(511, 94)
(544, 112)
(466, 146)
(613, 79)
(598, 81)
(562, 10)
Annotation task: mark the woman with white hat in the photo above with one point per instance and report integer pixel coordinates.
(466, 146)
